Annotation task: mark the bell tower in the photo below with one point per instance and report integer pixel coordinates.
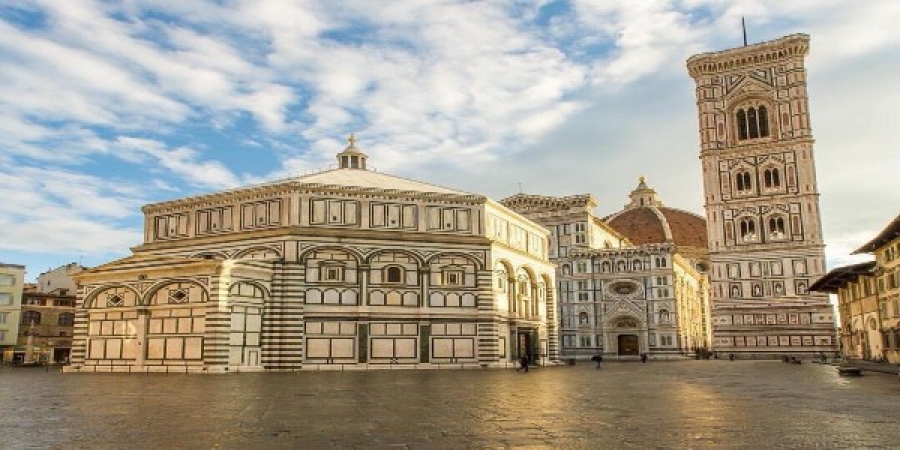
(761, 200)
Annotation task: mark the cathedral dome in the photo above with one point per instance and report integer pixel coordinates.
(646, 220)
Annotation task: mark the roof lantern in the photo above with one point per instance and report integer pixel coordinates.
(352, 157)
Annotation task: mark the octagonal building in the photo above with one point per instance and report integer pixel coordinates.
(342, 269)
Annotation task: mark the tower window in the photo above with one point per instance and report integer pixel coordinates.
(742, 124)
(752, 123)
(748, 230)
(742, 181)
(776, 228)
(772, 178)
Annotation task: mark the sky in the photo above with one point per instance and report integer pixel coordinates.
(108, 106)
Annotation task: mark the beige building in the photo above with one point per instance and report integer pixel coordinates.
(886, 287)
(854, 286)
(59, 280)
(762, 201)
(12, 279)
(46, 326)
(629, 284)
(342, 269)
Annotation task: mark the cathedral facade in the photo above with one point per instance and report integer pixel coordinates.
(339, 270)
(630, 284)
(761, 198)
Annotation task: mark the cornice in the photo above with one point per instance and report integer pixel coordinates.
(336, 234)
(762, 54)
(298, 187)
(526, 203)
(645, 249)
(758, 148)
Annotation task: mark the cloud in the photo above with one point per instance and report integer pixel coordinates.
(66, 211)
(182, 161)
(563, 97)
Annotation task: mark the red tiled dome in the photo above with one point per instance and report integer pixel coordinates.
(648, 224)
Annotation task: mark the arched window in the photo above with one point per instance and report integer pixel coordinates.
(583, 318)
(31, 317)
(637, 265)
(605, 267)
(742, 124)
(752, 123)
(393, 274)
(763, 121)
(795, 224)
(742, 181)
(664, 316)
(776, 228)
(66, 320)
(772, 178)
(620, 266)
(748, 230)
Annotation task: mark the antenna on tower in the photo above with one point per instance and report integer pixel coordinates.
(744, 28)
(520, 188)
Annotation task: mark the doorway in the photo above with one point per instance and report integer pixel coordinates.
(526, 345)
(628, 345)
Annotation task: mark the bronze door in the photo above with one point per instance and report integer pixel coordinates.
(628, 345)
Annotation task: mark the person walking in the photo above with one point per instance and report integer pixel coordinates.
(643, 357)
(523, 363)
(597, 359)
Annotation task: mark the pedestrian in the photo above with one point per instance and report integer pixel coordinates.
(643, 357)
(523, 363)
(597, 359)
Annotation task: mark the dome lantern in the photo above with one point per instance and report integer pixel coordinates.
(352, 157)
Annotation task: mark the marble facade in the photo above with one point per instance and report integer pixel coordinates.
(339, 270)
(762, 201)
(641, 288)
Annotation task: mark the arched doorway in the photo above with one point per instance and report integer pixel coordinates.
(628, 345)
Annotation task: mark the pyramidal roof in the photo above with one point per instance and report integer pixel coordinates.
(352, 171)
(367, 179)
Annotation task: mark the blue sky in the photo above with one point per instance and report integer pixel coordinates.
(107, 106)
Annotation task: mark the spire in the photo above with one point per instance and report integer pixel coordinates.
(352, 157)
(643, 195)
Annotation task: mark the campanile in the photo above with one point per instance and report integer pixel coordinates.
(761, 200)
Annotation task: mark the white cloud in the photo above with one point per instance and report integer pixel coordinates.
(182, 161)
(65, 211)
(475, 95)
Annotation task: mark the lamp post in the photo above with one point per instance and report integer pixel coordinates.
(49, 355)
(29, 343)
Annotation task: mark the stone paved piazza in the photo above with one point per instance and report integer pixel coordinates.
(688, 404)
